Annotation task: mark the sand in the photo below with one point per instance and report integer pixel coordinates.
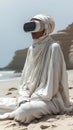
(53, 122)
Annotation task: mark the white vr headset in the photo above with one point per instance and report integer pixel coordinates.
(32, 26)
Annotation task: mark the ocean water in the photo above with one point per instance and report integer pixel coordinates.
(7, 75)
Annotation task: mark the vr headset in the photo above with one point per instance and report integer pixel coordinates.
(32, 26)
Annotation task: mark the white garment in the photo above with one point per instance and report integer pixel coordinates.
(44, 72)
(48, 22)
(44, 82)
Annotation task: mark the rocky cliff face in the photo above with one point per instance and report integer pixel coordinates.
(63, 37)
(17, 61)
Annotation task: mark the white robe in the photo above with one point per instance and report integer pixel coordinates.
(43, 87)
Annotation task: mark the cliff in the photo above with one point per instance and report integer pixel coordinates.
(17, 61)
(63, 37)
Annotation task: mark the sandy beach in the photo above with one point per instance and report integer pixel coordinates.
(9, 88)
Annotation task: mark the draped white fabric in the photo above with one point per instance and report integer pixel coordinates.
(43, 82)
(44, 74)
(48, 22)
(43, 88)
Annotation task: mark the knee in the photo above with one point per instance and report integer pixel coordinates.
(23, 113)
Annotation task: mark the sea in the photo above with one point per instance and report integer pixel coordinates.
(9, 75)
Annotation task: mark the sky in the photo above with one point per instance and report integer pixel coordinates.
(14, 13)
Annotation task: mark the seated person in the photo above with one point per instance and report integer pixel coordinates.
(44, 84)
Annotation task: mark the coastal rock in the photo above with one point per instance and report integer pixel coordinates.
(63, 37)
(17, 61)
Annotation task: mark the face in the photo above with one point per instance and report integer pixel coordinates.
(36, 35)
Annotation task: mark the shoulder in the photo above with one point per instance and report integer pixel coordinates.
(55, 46)
(29, 49)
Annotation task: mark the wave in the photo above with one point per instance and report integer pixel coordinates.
(5, 75)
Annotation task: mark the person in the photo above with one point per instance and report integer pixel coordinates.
(44, 84)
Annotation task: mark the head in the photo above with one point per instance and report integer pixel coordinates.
(40, 32)
(44, 25)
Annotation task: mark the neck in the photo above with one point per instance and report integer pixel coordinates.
(41, 39)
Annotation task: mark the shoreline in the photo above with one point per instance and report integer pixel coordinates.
(17, 76)
(9, 75)
(10, 79)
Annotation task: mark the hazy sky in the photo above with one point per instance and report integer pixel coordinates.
(13, 14)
